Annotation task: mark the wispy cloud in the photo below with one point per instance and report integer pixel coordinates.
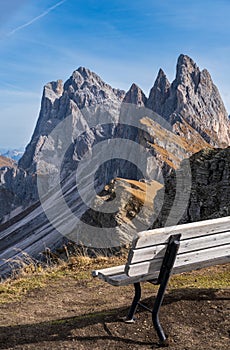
(18, 94)
(43, 14)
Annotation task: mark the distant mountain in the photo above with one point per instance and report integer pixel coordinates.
(195, 118)
(14, 154)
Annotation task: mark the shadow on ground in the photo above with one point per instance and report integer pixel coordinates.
(181, 310)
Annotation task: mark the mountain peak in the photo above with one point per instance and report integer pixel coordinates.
(85, 72)
(82, 74)
(162, 80)
(55, 87)
(135, 96)
(185, 59)
(159, 92)
(192, 101)
(82, 69)
(161, 74)
(187, 72)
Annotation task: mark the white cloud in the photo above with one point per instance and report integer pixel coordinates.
(43, 14)
(17, 93)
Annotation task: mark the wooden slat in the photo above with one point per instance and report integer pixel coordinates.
(196, 257)
(191, 230)
(188, 245)
(110, 271)
(124, 280)
(196, 266)
(144, 268)
(202, 255)
(146, 254)
(117, 276)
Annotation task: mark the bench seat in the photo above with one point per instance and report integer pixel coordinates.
(116, 276)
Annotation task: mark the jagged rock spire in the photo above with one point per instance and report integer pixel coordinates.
(135, 96)
(192, 103)
(159, 93)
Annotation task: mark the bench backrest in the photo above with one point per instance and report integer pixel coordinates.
(202, 244)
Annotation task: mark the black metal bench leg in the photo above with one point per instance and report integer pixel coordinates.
(136, 299)
(156, 309)
(166, 269)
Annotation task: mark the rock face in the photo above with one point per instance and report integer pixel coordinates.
(210, 193)
(209, 196)
(191, 103)
(135, 211)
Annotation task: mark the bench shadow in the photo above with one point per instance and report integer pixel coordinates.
(98, 325)
(195, 294)
(63, 329)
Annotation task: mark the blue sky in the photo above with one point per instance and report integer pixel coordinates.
(123, 41)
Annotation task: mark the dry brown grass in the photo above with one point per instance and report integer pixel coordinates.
(30, 274)
(6, 162)
(143, 192)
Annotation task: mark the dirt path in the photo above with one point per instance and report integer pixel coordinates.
(70, 314)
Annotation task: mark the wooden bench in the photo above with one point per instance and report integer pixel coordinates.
(156, 254)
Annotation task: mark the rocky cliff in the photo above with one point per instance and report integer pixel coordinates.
(210, 192)
(209, 195)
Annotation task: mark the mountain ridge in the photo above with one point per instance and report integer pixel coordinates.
(85, 89)
(85, 100)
